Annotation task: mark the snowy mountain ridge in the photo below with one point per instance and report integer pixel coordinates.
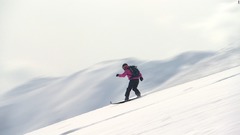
(207, 106)
(227, 58)
(45, 101)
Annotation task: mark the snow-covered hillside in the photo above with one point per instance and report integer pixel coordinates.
(228, 57)
(208, 106)
(45, 101)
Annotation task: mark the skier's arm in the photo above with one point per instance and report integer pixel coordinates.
(140, 74)
(141, 78)
(123, 74)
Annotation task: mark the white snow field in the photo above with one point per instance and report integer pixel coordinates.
(207, 106)
(44, 101)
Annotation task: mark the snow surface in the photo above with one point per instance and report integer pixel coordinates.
(45, 101)
(207, 106)
(228, 57)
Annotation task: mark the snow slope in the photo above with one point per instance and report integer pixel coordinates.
(45, 101)
(207, 106)
(228, 57)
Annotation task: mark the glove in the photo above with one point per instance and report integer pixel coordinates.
(117, 75)
(141, 78)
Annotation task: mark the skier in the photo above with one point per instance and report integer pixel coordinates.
(133, 75)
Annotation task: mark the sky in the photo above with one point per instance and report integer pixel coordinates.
(50, 38)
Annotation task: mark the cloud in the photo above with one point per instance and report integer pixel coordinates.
(60, 37)
(222, 27)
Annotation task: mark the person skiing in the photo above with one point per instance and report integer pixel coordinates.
(133, 75)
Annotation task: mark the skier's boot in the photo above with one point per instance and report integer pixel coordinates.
(138, 94)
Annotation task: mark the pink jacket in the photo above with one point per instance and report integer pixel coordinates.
(129, 74)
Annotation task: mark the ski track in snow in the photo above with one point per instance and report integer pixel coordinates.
(207, 106)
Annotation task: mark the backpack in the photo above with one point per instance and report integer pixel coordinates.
(135, 72)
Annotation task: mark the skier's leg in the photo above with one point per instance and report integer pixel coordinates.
(130, 86)
(137, 92)
(127, 94)
(135, 89)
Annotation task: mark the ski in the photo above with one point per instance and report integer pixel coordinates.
(120, 102)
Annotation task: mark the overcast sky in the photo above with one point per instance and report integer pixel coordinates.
(59, 37)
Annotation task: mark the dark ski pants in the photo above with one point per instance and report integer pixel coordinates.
(133, 84)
